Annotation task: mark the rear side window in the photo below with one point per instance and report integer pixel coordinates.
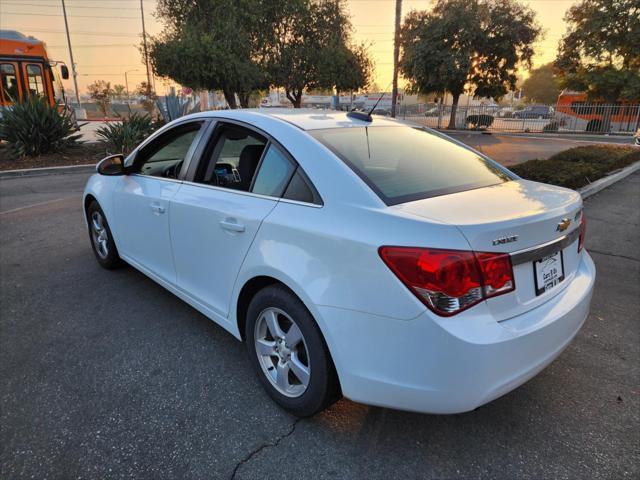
(402, 164)
(274, 173)
(300, 190)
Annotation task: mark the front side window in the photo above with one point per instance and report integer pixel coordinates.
(165, 156)
(9, 82)
(403, 164)
(35, 80)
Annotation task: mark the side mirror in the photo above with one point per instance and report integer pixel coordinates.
(111, 165)
(64, 72)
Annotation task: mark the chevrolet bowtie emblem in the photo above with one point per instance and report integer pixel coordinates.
(563, 225)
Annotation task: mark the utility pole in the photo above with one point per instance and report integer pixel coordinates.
(396, 56)
(144, 42)
(73, 64)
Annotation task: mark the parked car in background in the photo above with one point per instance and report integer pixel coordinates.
(353, 255)
(536, 111)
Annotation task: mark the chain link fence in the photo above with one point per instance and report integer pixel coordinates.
(575, 117)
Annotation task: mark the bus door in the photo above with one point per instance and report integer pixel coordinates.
(10, 88)
(37, 80)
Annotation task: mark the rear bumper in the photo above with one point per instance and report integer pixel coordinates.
(451, 365)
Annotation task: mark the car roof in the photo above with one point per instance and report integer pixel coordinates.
(307, 119)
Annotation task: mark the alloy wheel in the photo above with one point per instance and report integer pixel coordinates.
(282, 352)
(99, 234)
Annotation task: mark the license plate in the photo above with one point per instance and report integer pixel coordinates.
(548, 272)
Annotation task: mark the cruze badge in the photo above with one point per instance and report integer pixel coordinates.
(503, 240)
(563, 225)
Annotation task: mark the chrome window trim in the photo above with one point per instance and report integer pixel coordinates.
(142, 175)
(229, 190)
(298, 202)
(249, 194)
(536, 253)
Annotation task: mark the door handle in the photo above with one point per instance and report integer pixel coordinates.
(232, 225)
(157, 208)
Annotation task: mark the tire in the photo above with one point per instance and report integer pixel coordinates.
(272, 316)
(104, 248)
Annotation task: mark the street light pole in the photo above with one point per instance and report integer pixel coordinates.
(73, 64)
(396, 55)
(144, 43)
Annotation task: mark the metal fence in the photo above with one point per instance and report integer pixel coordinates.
(575, 117)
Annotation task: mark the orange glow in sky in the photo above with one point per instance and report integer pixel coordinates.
(105, 33)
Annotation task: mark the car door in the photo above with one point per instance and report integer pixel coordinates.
(141, 201)
(216, 215)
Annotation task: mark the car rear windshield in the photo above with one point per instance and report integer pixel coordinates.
(402, 163)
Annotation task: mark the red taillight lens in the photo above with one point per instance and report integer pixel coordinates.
(583, 232)
(449, 281)
(497, 273)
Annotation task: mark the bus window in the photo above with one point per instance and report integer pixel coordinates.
(35, 80)
(9, 82)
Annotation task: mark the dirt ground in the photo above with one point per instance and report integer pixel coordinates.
(82, 155)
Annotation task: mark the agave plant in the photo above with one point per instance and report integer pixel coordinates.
(125, 135)
(172, 107)
(33, 127)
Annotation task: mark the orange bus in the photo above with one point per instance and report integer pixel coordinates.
(578, 113)
(26, 70)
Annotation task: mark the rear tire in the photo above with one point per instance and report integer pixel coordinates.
(104, 248)
(289, 354)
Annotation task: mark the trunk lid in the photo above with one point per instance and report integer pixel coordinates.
(511, 217)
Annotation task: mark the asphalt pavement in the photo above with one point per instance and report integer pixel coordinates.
(107, 375)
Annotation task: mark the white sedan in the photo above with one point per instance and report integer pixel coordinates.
(354, 256)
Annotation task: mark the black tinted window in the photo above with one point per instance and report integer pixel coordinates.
(300, 190)
(402, 164)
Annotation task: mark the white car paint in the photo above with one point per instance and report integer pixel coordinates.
(389, 349)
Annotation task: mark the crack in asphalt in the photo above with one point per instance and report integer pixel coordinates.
(609, 254)
(264, 446)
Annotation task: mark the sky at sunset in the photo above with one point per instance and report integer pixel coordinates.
(105, 33)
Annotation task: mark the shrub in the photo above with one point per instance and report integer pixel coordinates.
(172, 107)
(123, 137)
(477, 121)
(577, 167)
(33, 127)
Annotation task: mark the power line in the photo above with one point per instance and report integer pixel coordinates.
(73, 16)
(72, 6)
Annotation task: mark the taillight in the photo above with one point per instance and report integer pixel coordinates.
(449, 281)
(583, 232)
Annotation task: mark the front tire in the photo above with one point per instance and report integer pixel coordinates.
(288, 353)
(101, 238)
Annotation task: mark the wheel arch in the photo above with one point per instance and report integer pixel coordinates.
(253, 285)
(247, 292)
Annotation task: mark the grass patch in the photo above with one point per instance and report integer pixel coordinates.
(577, 167)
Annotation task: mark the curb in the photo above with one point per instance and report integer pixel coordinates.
(607, 181)
(35, 172)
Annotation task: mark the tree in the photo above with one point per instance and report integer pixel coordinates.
(311, 48)
(101, 92)
(148, 97)
(599, 54)
(212, 45)
(467, 45)
(542, 85)
(119, 91)
(241, 46)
